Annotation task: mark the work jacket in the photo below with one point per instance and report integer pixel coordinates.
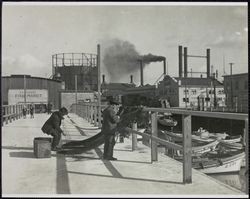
(54, 122)
(110, 120)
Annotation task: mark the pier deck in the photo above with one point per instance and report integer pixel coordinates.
(87, 173)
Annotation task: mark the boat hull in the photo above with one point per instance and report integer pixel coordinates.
(232, 164)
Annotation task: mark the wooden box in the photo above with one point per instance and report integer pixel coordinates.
(42, 147)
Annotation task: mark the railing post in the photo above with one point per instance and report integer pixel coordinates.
(88, 112)
(99, 116)
(95, 115)
(91, 113)
(10, 113)
(246, 156)
(16, 111)
(134, 136)
(187, 149)
(154, 132)
(3, 114)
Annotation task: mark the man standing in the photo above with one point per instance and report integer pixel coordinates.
(32, 111)
(49, 108)
(110, 120)
(52, 127)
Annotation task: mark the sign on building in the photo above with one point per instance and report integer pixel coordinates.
(32, 96)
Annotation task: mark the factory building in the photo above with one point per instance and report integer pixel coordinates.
(192, 92)
(186, 91)
(39, 91)
(76, 70)
(236, 90)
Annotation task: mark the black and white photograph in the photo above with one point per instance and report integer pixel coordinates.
(124, 99)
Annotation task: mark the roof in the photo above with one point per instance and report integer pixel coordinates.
(239, 74)
(117, 86)
(29, 76)
(197, 81)
(146, 87)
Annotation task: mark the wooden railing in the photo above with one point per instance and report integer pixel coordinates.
(89, 111)
(12, 112)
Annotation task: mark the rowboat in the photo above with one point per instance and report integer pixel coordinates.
(167, 120)
(197, 148)
(233, 146)
(232, 139)
(220, 165)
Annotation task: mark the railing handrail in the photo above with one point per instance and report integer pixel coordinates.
(236, 116)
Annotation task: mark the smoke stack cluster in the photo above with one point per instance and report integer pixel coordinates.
(131, 79)
(103, 79)
(185, 61)
(146, 59)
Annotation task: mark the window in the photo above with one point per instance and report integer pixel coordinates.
(185, 99)
(193, 91)
(211, 92)
(246, 85)
(185, 91)
(220, 92)
(236, 84)
(207, 99)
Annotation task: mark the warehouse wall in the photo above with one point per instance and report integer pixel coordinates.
(17, 82)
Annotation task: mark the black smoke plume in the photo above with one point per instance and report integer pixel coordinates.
(151, 58)
(120, 58)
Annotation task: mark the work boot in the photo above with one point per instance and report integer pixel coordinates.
(112, 158)
(56, 149)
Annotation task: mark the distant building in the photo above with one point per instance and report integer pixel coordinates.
(116, 90)
(39, 91)
(76, 70)
(192, 92)
(236, 90)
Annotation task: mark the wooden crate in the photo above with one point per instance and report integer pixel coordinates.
(42, 147)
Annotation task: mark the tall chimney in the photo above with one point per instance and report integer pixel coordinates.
(164, 66)
(131, 79)
(180, 61)
(185, 62)
(208, 62)
(141, 69)
(103, 79)
(216, 75)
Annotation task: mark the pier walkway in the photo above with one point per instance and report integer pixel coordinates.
(87, 174)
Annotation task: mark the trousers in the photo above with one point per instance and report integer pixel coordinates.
(56, 138)
(109, 146)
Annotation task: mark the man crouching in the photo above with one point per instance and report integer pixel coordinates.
(52, 127)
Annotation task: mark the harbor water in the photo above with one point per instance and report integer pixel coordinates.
(236, 180)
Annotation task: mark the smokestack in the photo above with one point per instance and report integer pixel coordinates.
(141, 69)
(164, 67)
(180, 61)
(185, 62)
(131, 79)
(208, 62)
(103, 79)
(216, 75)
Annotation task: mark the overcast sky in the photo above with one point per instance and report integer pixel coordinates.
(31, 34)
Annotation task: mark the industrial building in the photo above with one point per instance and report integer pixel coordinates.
(236, 90)
(192, 92)
(39, 91)
(76, 70)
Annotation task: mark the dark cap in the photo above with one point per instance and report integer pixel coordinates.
(113, 102)
(63, 110)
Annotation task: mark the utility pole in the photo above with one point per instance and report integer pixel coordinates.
(76, 87)
(24, 87)
(231, 73)
(99, 84)
(167, 67)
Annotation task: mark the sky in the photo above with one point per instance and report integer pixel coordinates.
(31, 34)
